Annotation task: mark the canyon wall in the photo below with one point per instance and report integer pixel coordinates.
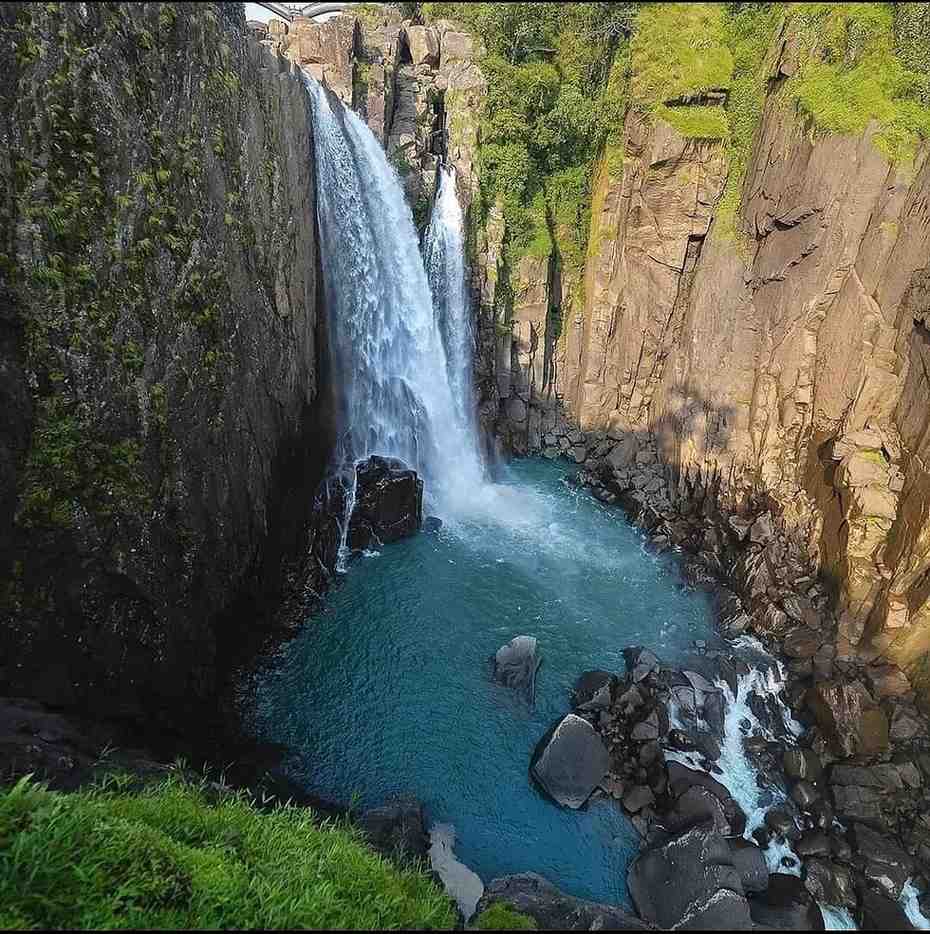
(164, 416)
(785, 358)
(417, 87)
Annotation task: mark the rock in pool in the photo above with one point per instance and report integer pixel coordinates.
(571, 761)
(516, 664)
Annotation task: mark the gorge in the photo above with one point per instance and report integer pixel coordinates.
(274, 292)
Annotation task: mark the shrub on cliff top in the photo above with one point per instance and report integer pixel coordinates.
(853, 74)
(175, 856)
(499, 916)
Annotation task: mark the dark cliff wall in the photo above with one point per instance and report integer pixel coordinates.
(163, 421)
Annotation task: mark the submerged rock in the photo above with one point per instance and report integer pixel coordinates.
(553, 910)
(516, 664)
(571, 761)
(388, 502)
(432, 524)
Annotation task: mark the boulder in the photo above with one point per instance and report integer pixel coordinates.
(388, 502)
(884, 863)
(571, 761)
(829, 883)
(905, 725)
(553, 910)
(878, 913)
(681, 778)
(786, 905)
(750, 863)
(516, 664)
(802, 763)
(887, 681)
(593, 690)
(689, 881)
(696, 806)
(397, 830)
(637, 797)
(849, 718)
(801, 643)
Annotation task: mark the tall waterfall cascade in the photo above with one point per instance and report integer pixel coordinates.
(400, 363)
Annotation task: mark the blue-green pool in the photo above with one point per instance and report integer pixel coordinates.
(388, 691)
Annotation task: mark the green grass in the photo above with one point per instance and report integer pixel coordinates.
(679, 50)
(177, 855)
(696, 122)
(853, 74)
(501, 917)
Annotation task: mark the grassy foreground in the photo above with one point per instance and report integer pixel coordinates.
(177, 855)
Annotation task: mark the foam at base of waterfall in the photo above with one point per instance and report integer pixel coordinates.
(911, 907)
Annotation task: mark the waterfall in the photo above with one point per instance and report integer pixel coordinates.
(399, 393)
(445, 265)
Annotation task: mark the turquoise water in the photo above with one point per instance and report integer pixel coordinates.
(389, 692)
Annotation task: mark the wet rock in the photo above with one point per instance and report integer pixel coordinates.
(432, 524)
(681, 778)
(697, 805)
(715, 710)
(849, 717)
(786, 906)
(592, 690)
(804, 794)
(647, 729)
(750, 863)
(802, 763)
(853, 802)
(552, 909)
(689, 881)
(884, 863)
(388, 502)
(813, 843)
(878, 913)
(829, 883)
(781, 823)
(638, 797)
(571, 761)
(516, 665)
(397, 830)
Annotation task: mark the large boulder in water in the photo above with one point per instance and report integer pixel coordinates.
(388, 502)
(516, 664)
(553, 910)
(571, 761)
(786, 906)
(689, 881)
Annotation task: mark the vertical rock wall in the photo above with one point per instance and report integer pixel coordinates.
(164, 418)
(789, 361)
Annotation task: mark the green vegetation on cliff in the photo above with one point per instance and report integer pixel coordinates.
(178, 855)
(548, 114)
(499, 916)
(852, 73)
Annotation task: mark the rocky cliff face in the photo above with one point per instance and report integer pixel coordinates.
(417, 87)
(164, 421)
(788, 359)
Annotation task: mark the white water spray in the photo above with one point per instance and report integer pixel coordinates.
(399, 397)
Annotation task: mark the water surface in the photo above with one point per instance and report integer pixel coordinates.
(389, 690)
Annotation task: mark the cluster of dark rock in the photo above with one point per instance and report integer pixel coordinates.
(698, 867)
